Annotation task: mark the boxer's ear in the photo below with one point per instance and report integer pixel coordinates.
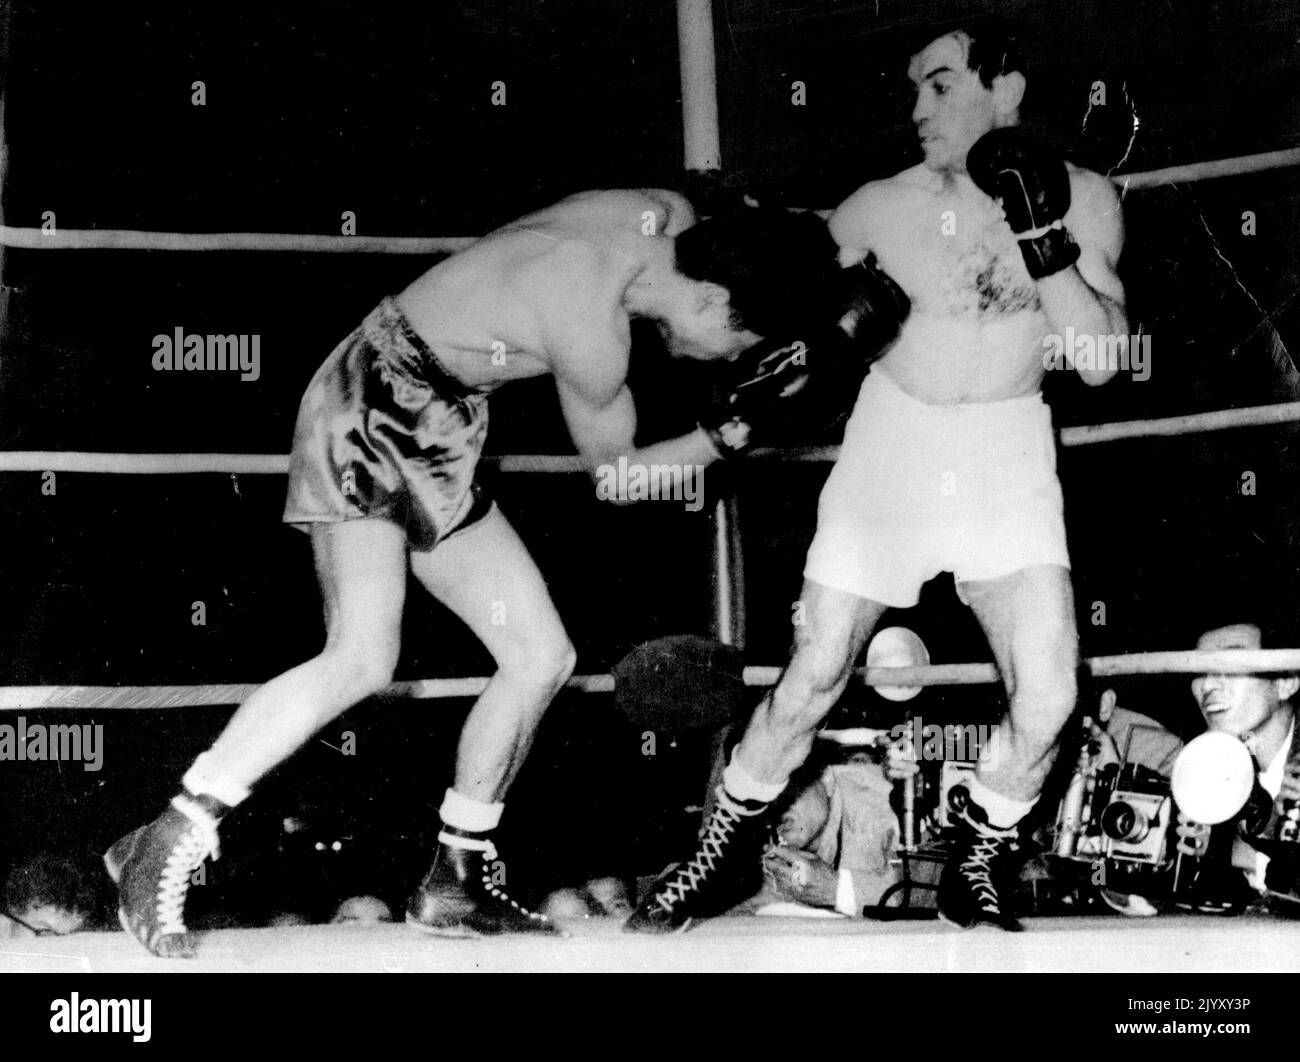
(1009, 92)
(1286, 687)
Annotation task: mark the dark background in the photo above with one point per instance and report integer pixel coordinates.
(384, 109)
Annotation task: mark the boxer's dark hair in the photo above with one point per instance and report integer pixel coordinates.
(58, 880)
(781, 269)
(995, 46)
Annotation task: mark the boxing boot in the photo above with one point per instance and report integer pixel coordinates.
(979, 879)
(726, 869)
(153, 867)
(464, 895)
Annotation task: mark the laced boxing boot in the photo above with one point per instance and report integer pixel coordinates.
(463, 894)
(979, 879)
(153, 866)
(725, 870)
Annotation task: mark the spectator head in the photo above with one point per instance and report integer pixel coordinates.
(361, 911)
(51, 894)
(1241, 705)
(806, 814)
(610, 895)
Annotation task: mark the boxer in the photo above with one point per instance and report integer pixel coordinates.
(948, 464)
(382, 476)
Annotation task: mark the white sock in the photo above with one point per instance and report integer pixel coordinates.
(202, 780)
(468, 816)
(1003, 811)
(741, 785)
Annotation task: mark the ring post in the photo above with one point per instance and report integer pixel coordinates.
(699, 85)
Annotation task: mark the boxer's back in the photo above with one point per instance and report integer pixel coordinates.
(492, 311)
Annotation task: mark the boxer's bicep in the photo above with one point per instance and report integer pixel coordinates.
(852, 224)
(601, 424)
(1097, 222)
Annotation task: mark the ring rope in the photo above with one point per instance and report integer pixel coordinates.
(29, 239)
(1192, 662)
(278, 464)
(33, 239)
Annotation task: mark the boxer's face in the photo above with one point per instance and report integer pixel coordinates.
(953, 107)
(1235, 704)
(702, 328)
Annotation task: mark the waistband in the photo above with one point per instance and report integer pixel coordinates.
(389, 331)
(1020, 406)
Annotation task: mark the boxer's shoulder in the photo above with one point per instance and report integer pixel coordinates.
(1089, 186)
(605, 213)
(1095, 216)
(865, 216)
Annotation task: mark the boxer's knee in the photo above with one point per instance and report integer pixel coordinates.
(360, 669)
(1040, 707)
(544, 667)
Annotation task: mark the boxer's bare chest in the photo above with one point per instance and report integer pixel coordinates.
(956, 257)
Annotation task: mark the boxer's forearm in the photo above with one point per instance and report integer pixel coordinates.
(1070, 302)
(673, 464)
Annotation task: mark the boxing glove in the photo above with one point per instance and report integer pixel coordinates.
(779, 385)
(1033, 186)
(878, 307)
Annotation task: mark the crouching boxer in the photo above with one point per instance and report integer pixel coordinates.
(948, 464)
(382, 476)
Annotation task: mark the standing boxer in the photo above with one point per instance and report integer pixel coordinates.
(382, 476)
(948, 464)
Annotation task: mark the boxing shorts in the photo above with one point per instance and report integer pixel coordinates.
(386, 432)
(921, 489)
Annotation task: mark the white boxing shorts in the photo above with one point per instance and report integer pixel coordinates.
(919, 489)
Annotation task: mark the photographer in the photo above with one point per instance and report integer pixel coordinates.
(1257, 709)
(836, 839)
(1124, 735)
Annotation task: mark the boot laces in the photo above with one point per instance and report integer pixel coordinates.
(196, 843)
(977, 867)
(490, 886)
(691, 876)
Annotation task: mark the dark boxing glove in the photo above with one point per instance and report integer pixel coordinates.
(1033, 186)
(878, 307)
(780, 384)
(808, 385)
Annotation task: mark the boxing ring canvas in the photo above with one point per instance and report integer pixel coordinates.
(1186, 944)
(213, 504)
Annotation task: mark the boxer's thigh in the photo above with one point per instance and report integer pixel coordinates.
(487, 577)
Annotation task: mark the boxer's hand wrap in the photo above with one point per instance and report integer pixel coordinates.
(1033, 187)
